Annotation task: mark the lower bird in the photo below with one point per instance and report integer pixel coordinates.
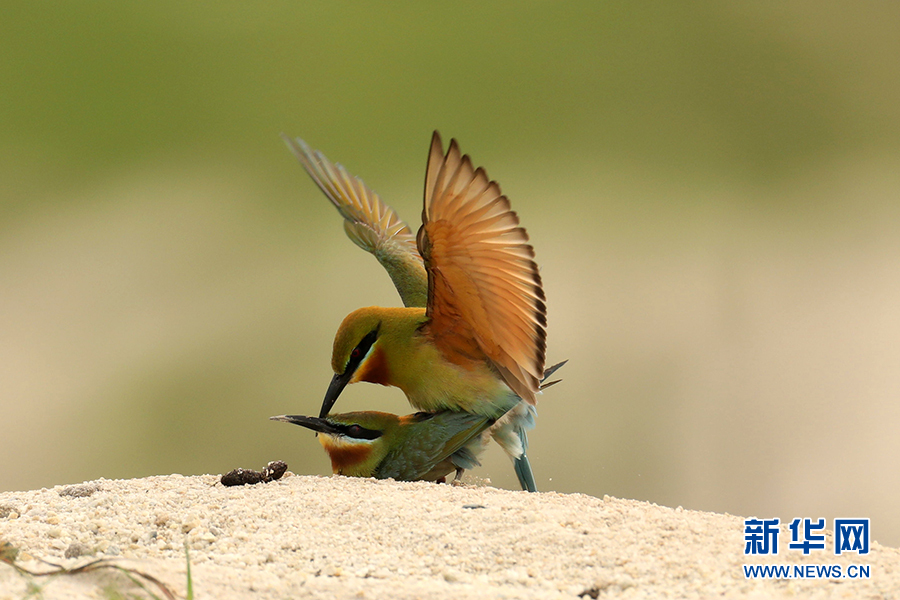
(417, 447)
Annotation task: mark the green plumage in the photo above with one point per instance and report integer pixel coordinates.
(429, 443)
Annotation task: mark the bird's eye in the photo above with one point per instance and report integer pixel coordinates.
(356, 353)
(358, 432)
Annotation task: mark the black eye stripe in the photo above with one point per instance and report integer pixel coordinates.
(357, 354)
(357, 431)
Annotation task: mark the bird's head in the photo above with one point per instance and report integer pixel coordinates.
(355, 353)
(356, 442)
(355, 340)
(370, 343)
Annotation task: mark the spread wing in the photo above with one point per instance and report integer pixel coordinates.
(485, 294)
(430, 440)
(369, 222)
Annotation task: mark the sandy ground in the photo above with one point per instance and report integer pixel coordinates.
(314, 537)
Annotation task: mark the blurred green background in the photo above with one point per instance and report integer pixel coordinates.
(712, 189)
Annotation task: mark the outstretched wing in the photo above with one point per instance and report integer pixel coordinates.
(369, 222)
(485, 293)
(431, 439)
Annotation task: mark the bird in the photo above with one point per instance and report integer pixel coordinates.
(471, 336)
(417, 447)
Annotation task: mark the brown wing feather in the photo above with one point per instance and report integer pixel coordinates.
(485, 297)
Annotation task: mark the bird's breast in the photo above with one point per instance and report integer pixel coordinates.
(447, 386)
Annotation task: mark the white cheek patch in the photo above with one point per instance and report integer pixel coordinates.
(342, 441)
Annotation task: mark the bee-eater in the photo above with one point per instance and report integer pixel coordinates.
(472, 335)
(417, 447)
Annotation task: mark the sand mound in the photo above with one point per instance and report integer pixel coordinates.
(314, 537)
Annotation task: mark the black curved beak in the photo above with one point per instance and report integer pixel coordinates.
(320, 425)
(337, 385)
(314, 423)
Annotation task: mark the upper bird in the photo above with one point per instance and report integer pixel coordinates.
(472, 337)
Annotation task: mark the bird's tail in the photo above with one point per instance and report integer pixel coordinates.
(511, 432)
(523, 466)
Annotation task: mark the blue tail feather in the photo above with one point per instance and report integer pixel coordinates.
(521, 418)
(522, 465)
(524, 473)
